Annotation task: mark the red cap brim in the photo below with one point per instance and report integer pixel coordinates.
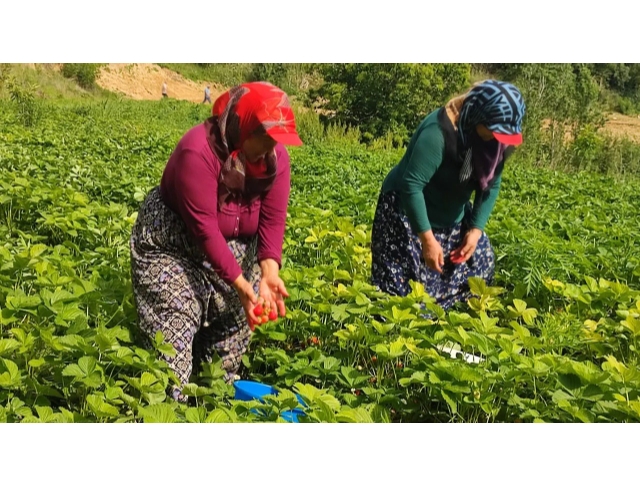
(286, 138)
(508, 139)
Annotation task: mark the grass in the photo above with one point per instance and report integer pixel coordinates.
(50, 83)
(225, 74)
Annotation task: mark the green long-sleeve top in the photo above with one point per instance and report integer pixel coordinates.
(430, 192)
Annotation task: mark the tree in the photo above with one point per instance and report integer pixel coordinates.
(382, 98)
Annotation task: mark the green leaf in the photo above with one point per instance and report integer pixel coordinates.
(584, 416)
(592, 284)
(22, 302)
(339, 313)
(106, 342)
(69, 341)
(463, 334)
(7, 346)
(87, 365)
(379, 414)
(218, 416)
(37, 362)
(396, 349)
(632, 324)
(94, 380)
(100, 408)
(382, 329)
(69, 313)
(419, 378)
(159, 413)
(113, 393)
(246, 361)
(402, 315)
(570, 381)
(341, 275)
(147, 380)
(167, 349)
(330, 401)
(437, 310)
(520, 305)
(560, 395)
(330, 363)
(307, 391)
(358, 415)
(381, 350)
(155, 397)
(72, 370)
(277, 336)
(326, 414)
(196, 415)
(477, 286)
(11, 377)
(529, 316)
(352, 377)
(31, 419)
(450, 401)
(45, 414)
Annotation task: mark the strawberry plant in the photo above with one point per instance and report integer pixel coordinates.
(555, 338)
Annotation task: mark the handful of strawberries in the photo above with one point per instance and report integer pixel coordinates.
(263, 314)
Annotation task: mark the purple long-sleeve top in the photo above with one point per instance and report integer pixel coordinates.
(189, 187)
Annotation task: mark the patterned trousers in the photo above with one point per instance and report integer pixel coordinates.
(178, 293)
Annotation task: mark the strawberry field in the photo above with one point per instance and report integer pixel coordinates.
(554, 339)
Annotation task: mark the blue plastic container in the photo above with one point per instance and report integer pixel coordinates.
(246, 390)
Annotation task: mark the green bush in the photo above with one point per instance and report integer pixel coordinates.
(626, 106)
(294, 78)
(5, 69)
(84, 73)
(379, 98)
(603, 154)
(28, 106)
(313, 132)
(561, 100)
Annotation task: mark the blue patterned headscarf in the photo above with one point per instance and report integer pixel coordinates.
(499, 106)
(496, 104)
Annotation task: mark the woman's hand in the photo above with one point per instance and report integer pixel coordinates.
(432, 251)
(247, 297)
(467, 247)
(272, 288)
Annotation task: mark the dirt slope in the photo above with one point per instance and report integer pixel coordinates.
(143, 81)
(621, 125)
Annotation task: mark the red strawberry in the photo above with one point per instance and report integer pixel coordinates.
(265, 319)
(258, 310)
(456, 257)
(273, 316)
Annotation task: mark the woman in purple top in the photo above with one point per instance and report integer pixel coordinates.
(207, 243)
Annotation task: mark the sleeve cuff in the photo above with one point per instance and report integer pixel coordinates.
(266, 256)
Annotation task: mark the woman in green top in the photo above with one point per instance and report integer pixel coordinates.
(425, 228)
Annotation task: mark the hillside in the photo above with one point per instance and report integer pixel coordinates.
(143, 81)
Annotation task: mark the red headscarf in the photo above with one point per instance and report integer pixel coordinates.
(243, 111)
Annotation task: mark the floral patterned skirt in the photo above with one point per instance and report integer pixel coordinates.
(397, 256)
